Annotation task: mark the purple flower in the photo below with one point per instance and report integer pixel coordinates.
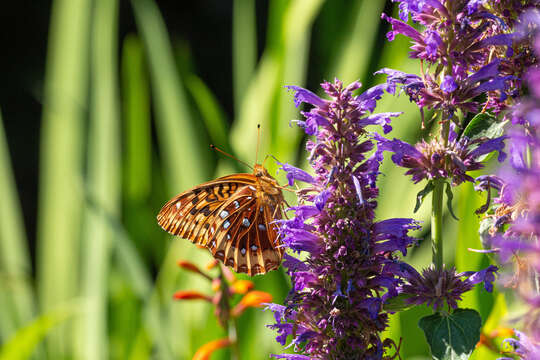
(472, 6)
(448, 85)
(467, 36)
(434, 287)
(334, 309)
(435, 160)
(294, 173)
(513, 222)
(524, 346)
(302, 95)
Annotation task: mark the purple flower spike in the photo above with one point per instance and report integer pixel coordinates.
(334, 309)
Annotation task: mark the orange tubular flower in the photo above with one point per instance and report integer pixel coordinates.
(192, 267)
(251, 299)
(241, 286)
(206, 350)
(191, 295)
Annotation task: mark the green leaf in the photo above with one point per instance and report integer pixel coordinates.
(103, 182)
(452, 336)
(484, 125)
(422, 195)
(398, 303)
(23, 343)
(18, 305)
(449, 197)
(58, 244)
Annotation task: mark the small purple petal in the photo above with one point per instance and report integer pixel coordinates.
(491, 145)
(448, 85)
(382, 119)
(302, 95)
(358, 189)
(320, 199)
(294, 173)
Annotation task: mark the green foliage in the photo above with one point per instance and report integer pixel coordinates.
(449, 198)
(422, 195)
(24, 341)
(484, 125)
(452, 336)
(104, 175)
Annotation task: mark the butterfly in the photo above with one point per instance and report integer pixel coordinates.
(233, 217)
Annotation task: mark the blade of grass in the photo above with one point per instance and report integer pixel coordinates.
(130, 269)
(15, 268)
(25, 341)
(60, 189)
(212, 114)
(297, 22)
(215, 122)
(136, 233)
(355, 55)
(177, 132)
(266, 101)
(244, 47)
(136, 110)
(103, 180)
(187, 160)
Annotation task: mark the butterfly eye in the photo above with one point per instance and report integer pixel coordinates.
(259, 174)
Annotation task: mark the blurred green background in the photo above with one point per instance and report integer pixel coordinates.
(108, 110)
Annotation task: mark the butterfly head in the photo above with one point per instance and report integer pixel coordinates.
(260, 172)
(265, 180)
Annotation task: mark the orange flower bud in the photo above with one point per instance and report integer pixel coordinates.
(216, 284)
(190, 295)
(192, 267)
(241, 286)
(206, 350)
(253, 298)
(212, 264)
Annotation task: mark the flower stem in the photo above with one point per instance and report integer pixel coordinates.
(436, 223)
(233, 338)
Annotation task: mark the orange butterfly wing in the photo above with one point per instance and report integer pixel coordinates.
(232, 218)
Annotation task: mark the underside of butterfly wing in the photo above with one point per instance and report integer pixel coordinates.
(231, 218)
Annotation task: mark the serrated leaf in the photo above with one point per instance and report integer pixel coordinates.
(484, 125)
(449, 198)
(422, 195)
(398, 303)
(452, 336)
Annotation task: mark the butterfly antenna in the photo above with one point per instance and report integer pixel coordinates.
(229, 155)
(258, 142)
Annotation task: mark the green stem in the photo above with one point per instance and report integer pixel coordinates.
(436, 223)
(233, 337)
(230, 327)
